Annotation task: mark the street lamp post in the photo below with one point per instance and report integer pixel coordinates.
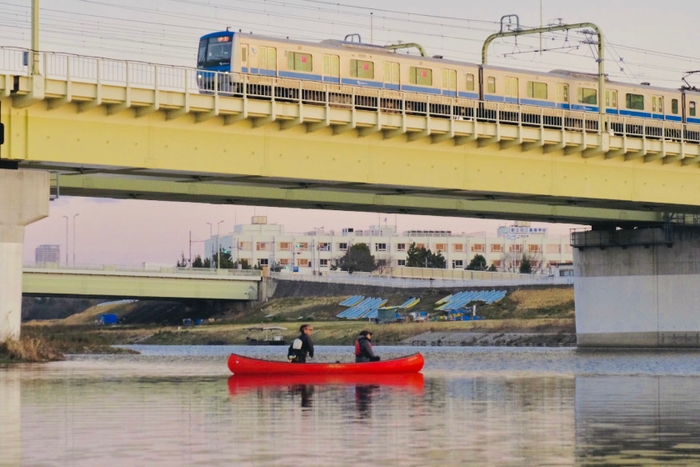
(66, 218)
(218, 247)
(211, 263)
(74, 216)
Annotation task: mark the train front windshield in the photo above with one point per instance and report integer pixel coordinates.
(215, 52)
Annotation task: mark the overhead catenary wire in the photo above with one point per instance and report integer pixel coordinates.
(156, 37)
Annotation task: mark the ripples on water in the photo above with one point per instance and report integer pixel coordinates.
(472, 406)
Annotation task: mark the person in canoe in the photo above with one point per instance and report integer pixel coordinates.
(303, 346)
(363, 348)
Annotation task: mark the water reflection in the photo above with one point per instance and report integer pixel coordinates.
(365, 387)
(638, 420)
(529, 408)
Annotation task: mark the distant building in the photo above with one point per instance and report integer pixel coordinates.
(316, 251)
(47, 254)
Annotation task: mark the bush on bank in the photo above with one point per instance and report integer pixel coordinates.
(29, 350)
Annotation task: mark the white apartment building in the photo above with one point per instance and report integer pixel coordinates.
(316, 251)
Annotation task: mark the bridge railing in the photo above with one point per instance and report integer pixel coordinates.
(70, 67)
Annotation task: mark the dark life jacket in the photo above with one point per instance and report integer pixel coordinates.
(364, 351)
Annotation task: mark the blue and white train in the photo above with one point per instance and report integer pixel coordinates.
(349, 63)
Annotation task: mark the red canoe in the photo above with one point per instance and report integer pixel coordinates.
(240, 365)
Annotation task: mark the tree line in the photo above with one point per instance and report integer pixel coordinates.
(359, 258)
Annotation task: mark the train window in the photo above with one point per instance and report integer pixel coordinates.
(331, 66)
(391, 73)
(423, 76)
(449, 80)
(537, 90)
(611, 99)
(470, 82)
(635, 101)
(587, 96)
(674, 106)
(202, 56)
(563, 93)
(268, 58)
(692, 108)
(491, 85)
(511, 87)
(362, 69)
(298, 61)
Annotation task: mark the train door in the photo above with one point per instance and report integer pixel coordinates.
(254, 59)
(449, 83)
(267, 61)
(391, 75)
(611, 101)
(512, 90)
(563, 96)
(245, 52)
(331, 68)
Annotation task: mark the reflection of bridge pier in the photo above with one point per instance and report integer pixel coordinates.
(638, 288)
(625, 420)
(10, 419)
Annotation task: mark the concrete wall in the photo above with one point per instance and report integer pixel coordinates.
(313, 289)
(640, 296)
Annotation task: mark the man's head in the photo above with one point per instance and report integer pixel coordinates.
(367, 334)
(306, 329)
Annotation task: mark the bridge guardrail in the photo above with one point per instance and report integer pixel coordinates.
(145, 269)
(136, 74)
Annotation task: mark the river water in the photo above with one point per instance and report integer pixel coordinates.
(173, 406)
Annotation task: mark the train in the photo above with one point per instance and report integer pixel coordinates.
(344, 64)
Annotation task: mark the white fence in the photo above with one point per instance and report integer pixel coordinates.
(135, 74)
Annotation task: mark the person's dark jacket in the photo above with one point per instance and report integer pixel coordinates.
(307, 349)
(366, 354)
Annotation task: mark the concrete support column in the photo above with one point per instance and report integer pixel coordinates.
(638, 288)
(24, 198)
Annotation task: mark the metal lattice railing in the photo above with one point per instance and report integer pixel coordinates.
(135, 74)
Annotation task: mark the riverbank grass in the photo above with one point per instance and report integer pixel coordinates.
(29, 350)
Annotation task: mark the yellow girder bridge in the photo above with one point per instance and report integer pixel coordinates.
(119, 129)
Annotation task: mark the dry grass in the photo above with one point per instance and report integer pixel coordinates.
(295, 305)
(540, 299)
(29, 350)
(345, 332)
(90, 315)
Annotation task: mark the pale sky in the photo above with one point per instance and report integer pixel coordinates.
(648, 41)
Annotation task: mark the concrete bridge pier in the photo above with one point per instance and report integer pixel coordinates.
(638, 288)
(24, 198)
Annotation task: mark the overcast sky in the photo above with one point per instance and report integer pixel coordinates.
(648, 41)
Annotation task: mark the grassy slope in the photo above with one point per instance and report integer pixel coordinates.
(522, 311)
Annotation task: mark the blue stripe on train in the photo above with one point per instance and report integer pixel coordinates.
(467, 95)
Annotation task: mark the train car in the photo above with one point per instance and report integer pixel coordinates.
(349, 72)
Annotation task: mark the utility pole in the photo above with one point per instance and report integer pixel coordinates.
(218, 247)
(35, 39)
(74, 216)
(211, 261)
(66, 218)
